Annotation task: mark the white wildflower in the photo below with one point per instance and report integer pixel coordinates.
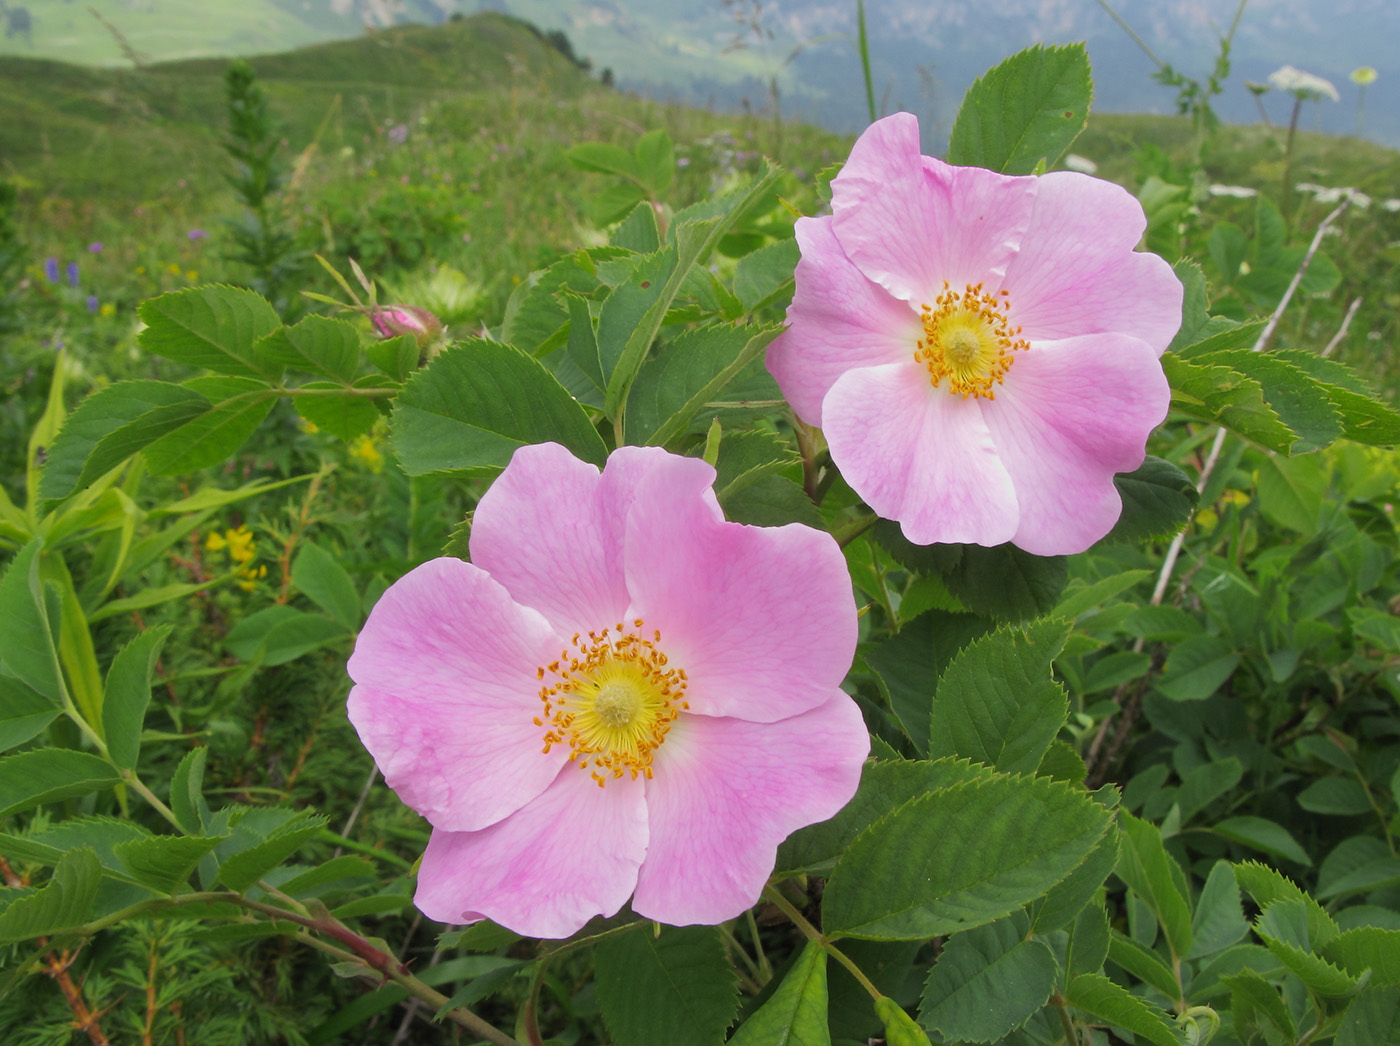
(1303, 85)
(1239, 192)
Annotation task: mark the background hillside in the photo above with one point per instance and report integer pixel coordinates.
(77, 129)
(733, 52)
(448, 145)
(415, 145)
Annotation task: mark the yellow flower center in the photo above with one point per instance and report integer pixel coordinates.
(612, 698)
(968, 340)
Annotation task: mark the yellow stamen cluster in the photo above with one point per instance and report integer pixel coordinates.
(969, 339)
(612, 698)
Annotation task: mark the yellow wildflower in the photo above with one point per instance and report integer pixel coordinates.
(367, 453)
(239, 545)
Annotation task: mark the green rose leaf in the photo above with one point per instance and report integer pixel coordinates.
(65, 901)
(795, 1014)
(476, 402)
(128, 692)
(997, 702)
(676, 987)
(1158, 499)
(214, 327)
(1028, 109)
(318, 344)
(110, 426)
(46, 775)
(960, 857)
(987, 982)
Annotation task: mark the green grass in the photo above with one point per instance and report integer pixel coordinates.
(1250, 155)
(129, 134)
(1366, 244)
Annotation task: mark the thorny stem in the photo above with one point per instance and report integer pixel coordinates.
(1342, 330)
(765, 968)
(284, 558)
(813, 934)
(530, 1017)
(743, 953)
(1066, 1021)
(459, 1015)
(807, 447)
(854, 529)
(411, 1011)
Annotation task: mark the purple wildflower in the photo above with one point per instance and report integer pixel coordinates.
(95, 247)
(398, 134)
(51, 269)
(197, 234)
(72, 274)
(92, 303)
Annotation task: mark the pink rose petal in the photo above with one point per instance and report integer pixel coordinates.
(910, 222)
(726, 792)
(920, 455)
(1071, 415)
(446, 693)
(550, 531)
(762, 619)
(839, 320)
(1077, 273)
(569, 855)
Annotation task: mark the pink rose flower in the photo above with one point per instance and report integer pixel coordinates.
(391, 321)
(622, 695)
(981, 351)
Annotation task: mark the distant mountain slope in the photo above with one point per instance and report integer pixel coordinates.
(164, 30)
(732, 52)
(926, 53)
(77, 129)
